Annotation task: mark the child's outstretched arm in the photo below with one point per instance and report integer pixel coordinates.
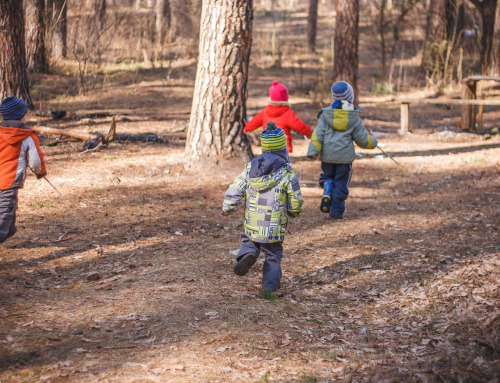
(235, 192)
(256, 122)
(295, 203)
(362, 138)
(298, 125)
(317, 138)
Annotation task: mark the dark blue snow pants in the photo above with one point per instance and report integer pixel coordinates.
(271, 274)
(8, 207)
(340, 174)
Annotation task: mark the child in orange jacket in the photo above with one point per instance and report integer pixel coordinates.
(279, 112)
(19, 148)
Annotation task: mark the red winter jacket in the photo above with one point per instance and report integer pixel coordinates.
(284, 117)
(19, 148)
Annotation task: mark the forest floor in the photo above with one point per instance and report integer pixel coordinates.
(129, 277)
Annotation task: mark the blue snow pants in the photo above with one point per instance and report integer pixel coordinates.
(340, 174)
(271, 274)
(8, 207)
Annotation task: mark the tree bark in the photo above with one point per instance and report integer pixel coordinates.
(13, 75)
(381, 30)
(345, 67)
(162, 25)
(35, 35)
(57, 24)
(100, 14)
(487, 9)
(312, 24)
(218, 114)
(494, 64)
(436, 32)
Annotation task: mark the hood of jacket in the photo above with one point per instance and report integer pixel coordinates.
(340, 119)
(13, 131)
(267, 170)
(277, 109)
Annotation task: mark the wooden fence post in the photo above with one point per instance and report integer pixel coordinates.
(468, 111)
(405, 118)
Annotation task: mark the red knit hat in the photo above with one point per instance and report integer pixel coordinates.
(278, 92)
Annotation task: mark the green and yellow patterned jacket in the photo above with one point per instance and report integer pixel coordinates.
(334, 136)
(272, 191)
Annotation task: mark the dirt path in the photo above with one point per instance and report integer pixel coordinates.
(400, 290)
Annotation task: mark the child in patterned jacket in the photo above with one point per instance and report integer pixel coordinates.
(272, 191)
(19, 148)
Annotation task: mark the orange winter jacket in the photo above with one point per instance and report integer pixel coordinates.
(284, 118)
(19, 148)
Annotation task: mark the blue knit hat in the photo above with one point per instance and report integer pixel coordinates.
(13, 108)
(272, 138)
(342, 91)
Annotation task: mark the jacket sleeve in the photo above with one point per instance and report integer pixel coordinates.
(256, 122)
(362, 137)
(295, 203)
(235, 192)
(317, 138)
(36, 160)
(298, 125)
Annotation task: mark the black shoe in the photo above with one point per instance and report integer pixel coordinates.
(244, 265)
(12, 231)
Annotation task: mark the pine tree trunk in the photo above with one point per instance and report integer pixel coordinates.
(13, 75)
(35, 35)
(436, 32)
(100, 14)
(162, 25)
(494, 68)
(345, 67)
(56, 12)
(218, 114)
(487, 9)
(312, 24)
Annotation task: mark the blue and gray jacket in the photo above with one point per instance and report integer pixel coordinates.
(337, 130)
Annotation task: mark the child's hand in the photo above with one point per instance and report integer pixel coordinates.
(225, 213)
(315, 157)
(39, 176)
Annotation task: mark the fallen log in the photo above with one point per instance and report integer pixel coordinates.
(91, 142)
(45, 130)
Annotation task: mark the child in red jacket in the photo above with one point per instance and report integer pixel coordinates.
(279, 112)
(19, 148)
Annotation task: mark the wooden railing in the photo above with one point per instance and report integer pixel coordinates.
(468, 104)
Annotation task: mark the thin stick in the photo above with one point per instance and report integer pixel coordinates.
(50, 183)
(383, 151)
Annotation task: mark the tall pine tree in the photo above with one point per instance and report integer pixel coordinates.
(218, 114)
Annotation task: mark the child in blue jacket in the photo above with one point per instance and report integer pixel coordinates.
(339, 126)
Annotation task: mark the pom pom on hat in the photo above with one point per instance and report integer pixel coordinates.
(272, 138)
(341, 90)
(13, 108)
(278, 92)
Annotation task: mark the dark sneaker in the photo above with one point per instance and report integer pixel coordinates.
(270, 295)
(244, 265)
(12, 231)
(326, 202)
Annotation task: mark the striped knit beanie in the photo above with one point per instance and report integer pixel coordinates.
(342, 91)
(272, 138)
(13, 108)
